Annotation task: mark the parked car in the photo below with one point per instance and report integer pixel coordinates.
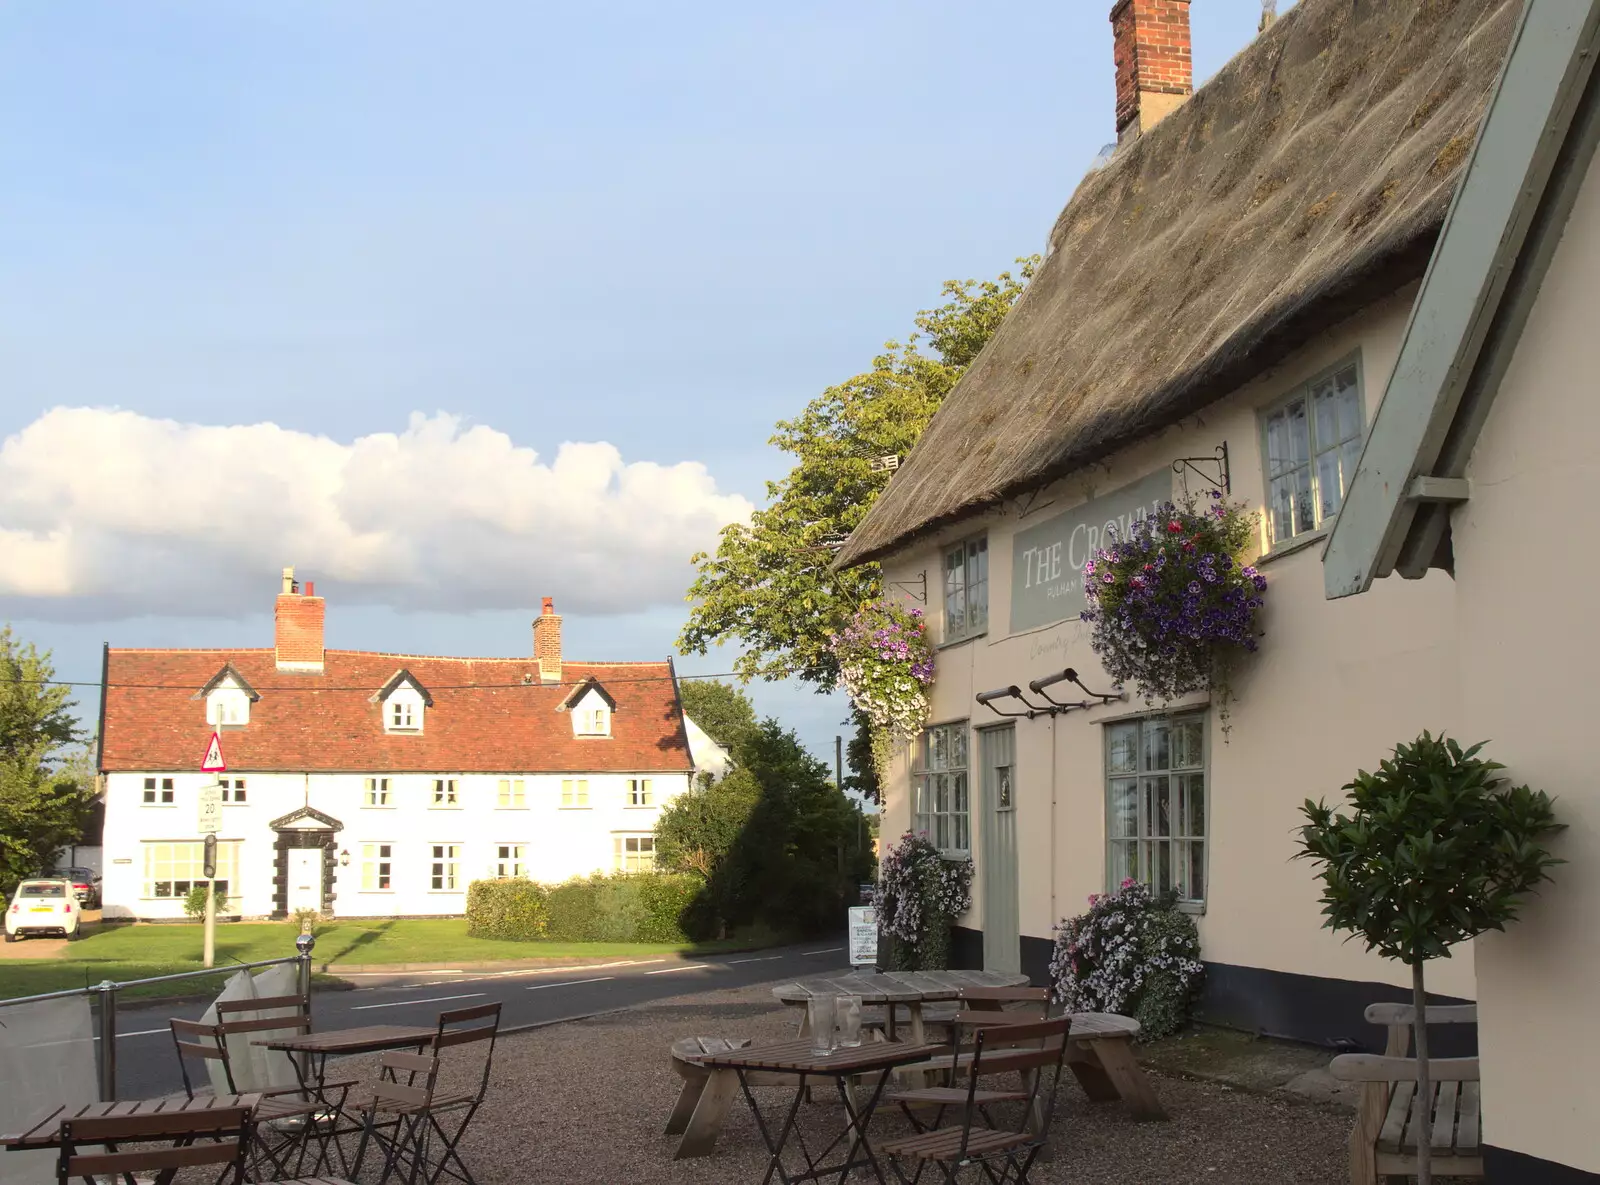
(43, 907)
(85, 882)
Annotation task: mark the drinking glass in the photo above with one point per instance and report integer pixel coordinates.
(819, 1012)
(849, 1011)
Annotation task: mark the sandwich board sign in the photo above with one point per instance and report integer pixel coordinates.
(863, 936)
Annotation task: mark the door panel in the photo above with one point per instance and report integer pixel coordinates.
(1002, 950)
(305, 878)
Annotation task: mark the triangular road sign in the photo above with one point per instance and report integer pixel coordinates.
(213, 763)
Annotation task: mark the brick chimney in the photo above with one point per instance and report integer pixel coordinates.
(299, 617)
(547, 642)
(1154, 73)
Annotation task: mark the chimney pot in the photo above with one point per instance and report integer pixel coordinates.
(1155, 74)
(311, 588)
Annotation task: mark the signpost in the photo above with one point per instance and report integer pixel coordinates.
(209, 824)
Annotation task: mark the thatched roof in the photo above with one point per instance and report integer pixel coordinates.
(1310, 177)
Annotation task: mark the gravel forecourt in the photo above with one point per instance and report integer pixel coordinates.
(585, 1102)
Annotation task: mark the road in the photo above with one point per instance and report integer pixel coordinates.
(147, 1063)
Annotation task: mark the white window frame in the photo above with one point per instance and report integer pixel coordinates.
(183, 862)
(1325, 463)
(635, 852)
(594, 722)
(941, 786)
(446, 794)
(964, 571)
(444, 868)
(510, 861)
(234, 791)
(402, 716)
(158, 792)
(641, 792)
(376, 796)
(377, 865)
(1162, 850)
(512, 795)
(574, 794)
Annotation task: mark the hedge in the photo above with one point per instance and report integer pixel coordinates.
(631, 907)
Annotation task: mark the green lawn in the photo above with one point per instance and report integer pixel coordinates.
(138, 952)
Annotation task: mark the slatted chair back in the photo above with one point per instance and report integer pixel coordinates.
(220, 1136)
(465, 1026)
(421, 1073)
(299, 1020)
(1037, 1050)
(207, 1043)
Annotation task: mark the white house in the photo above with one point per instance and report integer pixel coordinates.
(368, 784)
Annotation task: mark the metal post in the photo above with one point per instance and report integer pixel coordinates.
(211, 924)
(108, 1040)
(303, 944)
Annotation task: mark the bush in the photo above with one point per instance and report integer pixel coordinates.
(195, 903)
(630, 907)
(1133, 953)
(920, 895)
(305, 920)
(573, 910)
(514, 910)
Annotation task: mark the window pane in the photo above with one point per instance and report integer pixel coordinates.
(1299, 433)
(1349, 456)
(1187, 738)
(1122, 746)
(1277, 443)
(1349, 404)
(1157, 753)
(941, 793)
(1328, 486)
(1163, 867)
(1158, 806)
(1281, 508)
(1197, 871)
(955, 593)
(938, 748)
(958, 746)
(958, 793)
(978, 585)
(1122, 863)
(1124, 807)
(1324, 415)
(1194, 795)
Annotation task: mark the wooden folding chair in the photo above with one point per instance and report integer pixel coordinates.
(215, 1136)
(459, 1028)
(395, 1119)
(1037, 1051)
(960, 1065)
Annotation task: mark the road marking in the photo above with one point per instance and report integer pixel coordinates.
(431, 1000)
(670, 970)
(830, 951)
(576, 967)
(334, 970)
(539, 987)
(764, 959)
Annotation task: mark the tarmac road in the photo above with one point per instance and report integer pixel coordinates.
(147, 1063)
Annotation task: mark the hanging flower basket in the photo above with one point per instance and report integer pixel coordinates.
(920, 896)
(1171, 606)
(886, 665)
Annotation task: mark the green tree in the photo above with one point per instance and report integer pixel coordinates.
(1436, 850)
(723, 710)
(769, 587)
(697, 830)
(45, 794)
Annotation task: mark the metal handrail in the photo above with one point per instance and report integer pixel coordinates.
(107, 984)
(107, 991)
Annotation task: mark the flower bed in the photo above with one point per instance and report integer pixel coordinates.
(1171, 605)
(1132, 953)
(920, 895)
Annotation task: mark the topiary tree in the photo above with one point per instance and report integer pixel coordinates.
(1436, 849)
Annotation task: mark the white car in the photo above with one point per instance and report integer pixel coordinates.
(43, 907)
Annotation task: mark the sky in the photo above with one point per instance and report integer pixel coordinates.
(454, 307)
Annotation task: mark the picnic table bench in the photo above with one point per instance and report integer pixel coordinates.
(1383, 1145)
(703, 1103)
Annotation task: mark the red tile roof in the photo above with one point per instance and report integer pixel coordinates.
(484, 718)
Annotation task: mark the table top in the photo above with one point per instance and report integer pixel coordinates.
(896, 987)
(366, 1039)
(799, 1058)
(45, 1131)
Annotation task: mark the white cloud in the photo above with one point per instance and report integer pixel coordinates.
(107, 513)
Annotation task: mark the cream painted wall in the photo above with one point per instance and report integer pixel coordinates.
(1334, 686)
(1530, 648)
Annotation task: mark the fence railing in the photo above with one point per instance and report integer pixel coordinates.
(105, 993)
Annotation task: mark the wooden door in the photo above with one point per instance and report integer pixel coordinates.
(1002, 948)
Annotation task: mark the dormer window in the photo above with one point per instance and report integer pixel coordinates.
(590, 706)
(228, 698)
(403, 702)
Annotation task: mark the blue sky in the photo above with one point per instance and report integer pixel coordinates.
(332, 285)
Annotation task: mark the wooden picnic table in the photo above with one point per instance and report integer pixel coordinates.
(869, 1062)
(892, 989)
(44, 1132)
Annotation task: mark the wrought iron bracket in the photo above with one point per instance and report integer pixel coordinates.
(1222, 482)
(906, 587)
